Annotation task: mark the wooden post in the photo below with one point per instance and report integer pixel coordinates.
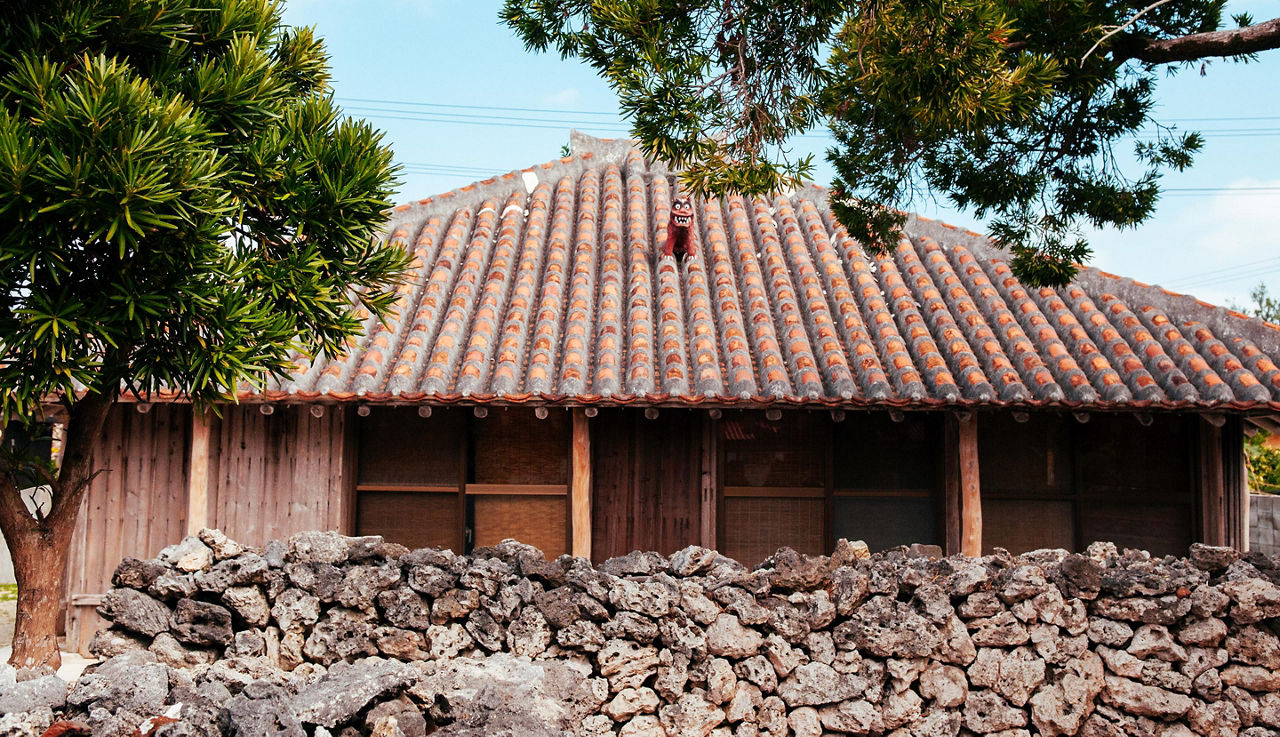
(580, 489)
(970, 486)
(198, 476)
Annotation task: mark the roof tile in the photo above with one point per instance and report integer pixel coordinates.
(546, 287)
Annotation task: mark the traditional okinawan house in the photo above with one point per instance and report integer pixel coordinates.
(546, 377)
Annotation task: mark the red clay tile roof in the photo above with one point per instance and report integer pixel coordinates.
(543, 286)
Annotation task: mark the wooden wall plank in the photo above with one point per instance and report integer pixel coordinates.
(1212, 492)
(135, 507)
(281, 473)
(198, 482)
(710, 477)
(1235, 484)
(952, 526)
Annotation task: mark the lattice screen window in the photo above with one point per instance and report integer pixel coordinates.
(775, 489)
(458, 481)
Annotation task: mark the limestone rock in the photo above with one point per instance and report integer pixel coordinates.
(815, 684)
(985, 712)
(341, 634)
(111, 642)
(295, 609)
(201, 624)
(945, 685)
(1143, 700)
(134, 681)
(1155, 641)
(45, 692)
(529, 635)
(222, 546)
(242, 570)
(1202, 631)
(854, 717)
(631, 701)
(317, 547)
(174, 654)
(692, 715)
(626, 664)
(1002, 630)
(889, 629)
(652, 598)
(134, 611)
(727, 637)
(347, 689)
(249, 603)
(262, 710)
(1254, 645)
(189, 555)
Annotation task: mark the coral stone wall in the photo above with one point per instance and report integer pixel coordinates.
(1050, 643)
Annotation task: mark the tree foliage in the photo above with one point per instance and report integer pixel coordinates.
(180, 201)
(182, 206)
(1263, 463)
(1017, 109)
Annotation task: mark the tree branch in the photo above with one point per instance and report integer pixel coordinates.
(1236, 41)
(1118, 29)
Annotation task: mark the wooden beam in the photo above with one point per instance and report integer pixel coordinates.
(580, 485)
(198, 473)
(970, 486)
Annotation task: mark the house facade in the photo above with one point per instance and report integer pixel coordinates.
(545, 377)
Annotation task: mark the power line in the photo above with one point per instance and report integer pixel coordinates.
(562, 111)
(474, 107)
(1215, 273)
(1239, 277)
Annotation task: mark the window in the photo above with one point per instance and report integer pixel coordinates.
(457, 481)
(774, 485)
(408, 471)
(1052, 482)
(518, 482)
(886, 477)
(1027, 482)
(804, 481)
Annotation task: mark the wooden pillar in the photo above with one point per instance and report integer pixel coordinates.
(580, 489)
(963, 503)
(198, 472)
(710, 482)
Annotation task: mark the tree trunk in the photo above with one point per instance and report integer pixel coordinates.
(40, 547)
(39, 562)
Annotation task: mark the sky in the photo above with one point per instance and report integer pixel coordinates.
(460, 100)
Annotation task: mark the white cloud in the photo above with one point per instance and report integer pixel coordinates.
(566, 96)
